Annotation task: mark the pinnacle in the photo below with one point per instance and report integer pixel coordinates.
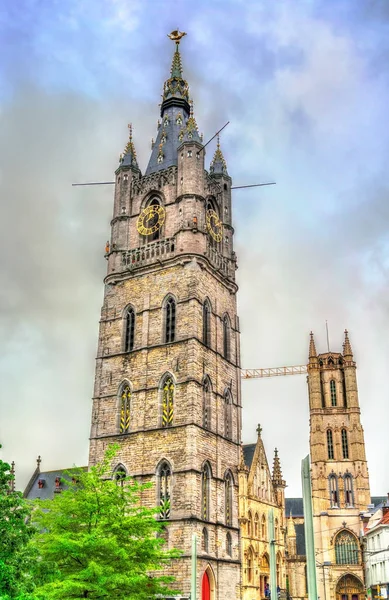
(312, 347)
(291, 531)
(176, 68)
(347, 351)
(129, 158)
(277, 473)
(218, 164)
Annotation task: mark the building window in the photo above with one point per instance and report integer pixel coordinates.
(129, 329)
(226, 337)
(207, 391)
(125, 407)
(263, 527)
(348, 490)
(229, 544)
(344, 443)
(256, 525)
(120, 475)
(333, 483)
(164, 488)
(250, 565)
(228, 414)
(170, 320)
(204, 540)
(228, 498)
(249, 524)
(333, 392)
(330, 445)
(205, 489)
(207, 323)
(154, 221)
(167, 401)
(346, 549)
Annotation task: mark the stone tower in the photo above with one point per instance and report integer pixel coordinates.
(167, 385)
(340, 479)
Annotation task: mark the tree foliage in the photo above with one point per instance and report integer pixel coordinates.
(95, 540)
(16, 557)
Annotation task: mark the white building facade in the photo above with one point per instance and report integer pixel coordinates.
(377, 554)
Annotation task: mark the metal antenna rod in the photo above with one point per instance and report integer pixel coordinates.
(328, 339)
(240, 187)
(95, 183)
(213, 137)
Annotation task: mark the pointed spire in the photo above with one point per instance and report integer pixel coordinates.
(312, 347)
(175, 89)
(291, 530)
(347, 351)
(277, 473)
(129, 157)
(218, 164)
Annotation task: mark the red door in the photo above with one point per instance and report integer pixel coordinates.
(205, 588)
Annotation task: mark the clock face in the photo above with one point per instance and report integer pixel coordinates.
(150, 219)
(214, 225)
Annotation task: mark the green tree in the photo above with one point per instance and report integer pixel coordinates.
(16, 557)
(97, 541)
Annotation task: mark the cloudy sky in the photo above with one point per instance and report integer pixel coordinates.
(305, 88)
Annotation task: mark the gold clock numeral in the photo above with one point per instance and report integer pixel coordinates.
(214, 225)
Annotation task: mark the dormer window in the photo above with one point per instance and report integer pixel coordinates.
(189, 153)
(160, 159)
(41, 483)
(179, 120)
(166, 121)
(57, 482)
(125, 177)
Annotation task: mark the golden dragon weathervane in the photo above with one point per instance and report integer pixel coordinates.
(176, 35)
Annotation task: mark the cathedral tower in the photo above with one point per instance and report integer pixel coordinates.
(167, 385)
(340, 479)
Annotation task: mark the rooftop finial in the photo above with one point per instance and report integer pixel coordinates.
(129, 157)
(347, 351)
(277, 473)
(176, 35)
(218, 164)
(259, 430)
(312, 347)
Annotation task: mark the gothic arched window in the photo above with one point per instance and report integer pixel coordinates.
(249, 524)
(263, 527)
(170, 320)
(129, 329)
(346, 548)
(348, 490)
(167, 401)
(330, 444)
(250, 564)
(344, 443)
(228, 498)
(228, 414)
(120, 474)
(207, 392)
(333, 392)
(204, 540)
(207, 323)
(125, 407)
(226, 337)
(256, 525)
(229, 544)
(205, 491)
(164, 475)
(334, 492)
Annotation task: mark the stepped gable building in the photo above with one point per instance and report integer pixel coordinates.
(260, 490)
(167, 385)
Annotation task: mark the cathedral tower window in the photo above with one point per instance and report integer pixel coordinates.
(207, 323)
(204, 540)
(205, 491)
(120, 474)
(228, 414)
(334, 493)
(344, 444)
(346, 549)
(250, 564)
(207, 391)
(229, 544)
(263, 527)
(129, 329)
(226, 337)
(164, 475)
(170, 320)
(167, 389)
(228, 498)
(348, 490)
(125, 407)
(330, 445)
(333, 392)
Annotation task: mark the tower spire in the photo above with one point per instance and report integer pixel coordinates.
(312, 348)
(129, 159)
(277, 473)
(176, 89)
(347, 351)
(218, 163)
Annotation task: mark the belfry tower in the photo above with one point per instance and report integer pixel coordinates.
(167, 385)
(340, 478)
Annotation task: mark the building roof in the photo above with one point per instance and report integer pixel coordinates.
(248, 453)
(294, 507)
(33, 491)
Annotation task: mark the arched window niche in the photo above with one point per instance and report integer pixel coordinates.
(207, 396)
(344, 444)
(334, 492)
(226, 337)
(124, 399)
(206, 475)
(333, 392)
(164, 484)
(129, 329)
(167, 392)
(346, 548)
(207, 311)
(228, 414)
(348, 490)
(204, 540)
(155, 219)
(228, 490)
(330, 445)
(120, 474)
(169, 319)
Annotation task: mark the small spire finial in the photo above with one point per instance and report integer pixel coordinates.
(218, 164)
(277, 473)
(312, 347)
(259, 430)
(176, 35)
(38, 462)
(347, 350)
(130, 131)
